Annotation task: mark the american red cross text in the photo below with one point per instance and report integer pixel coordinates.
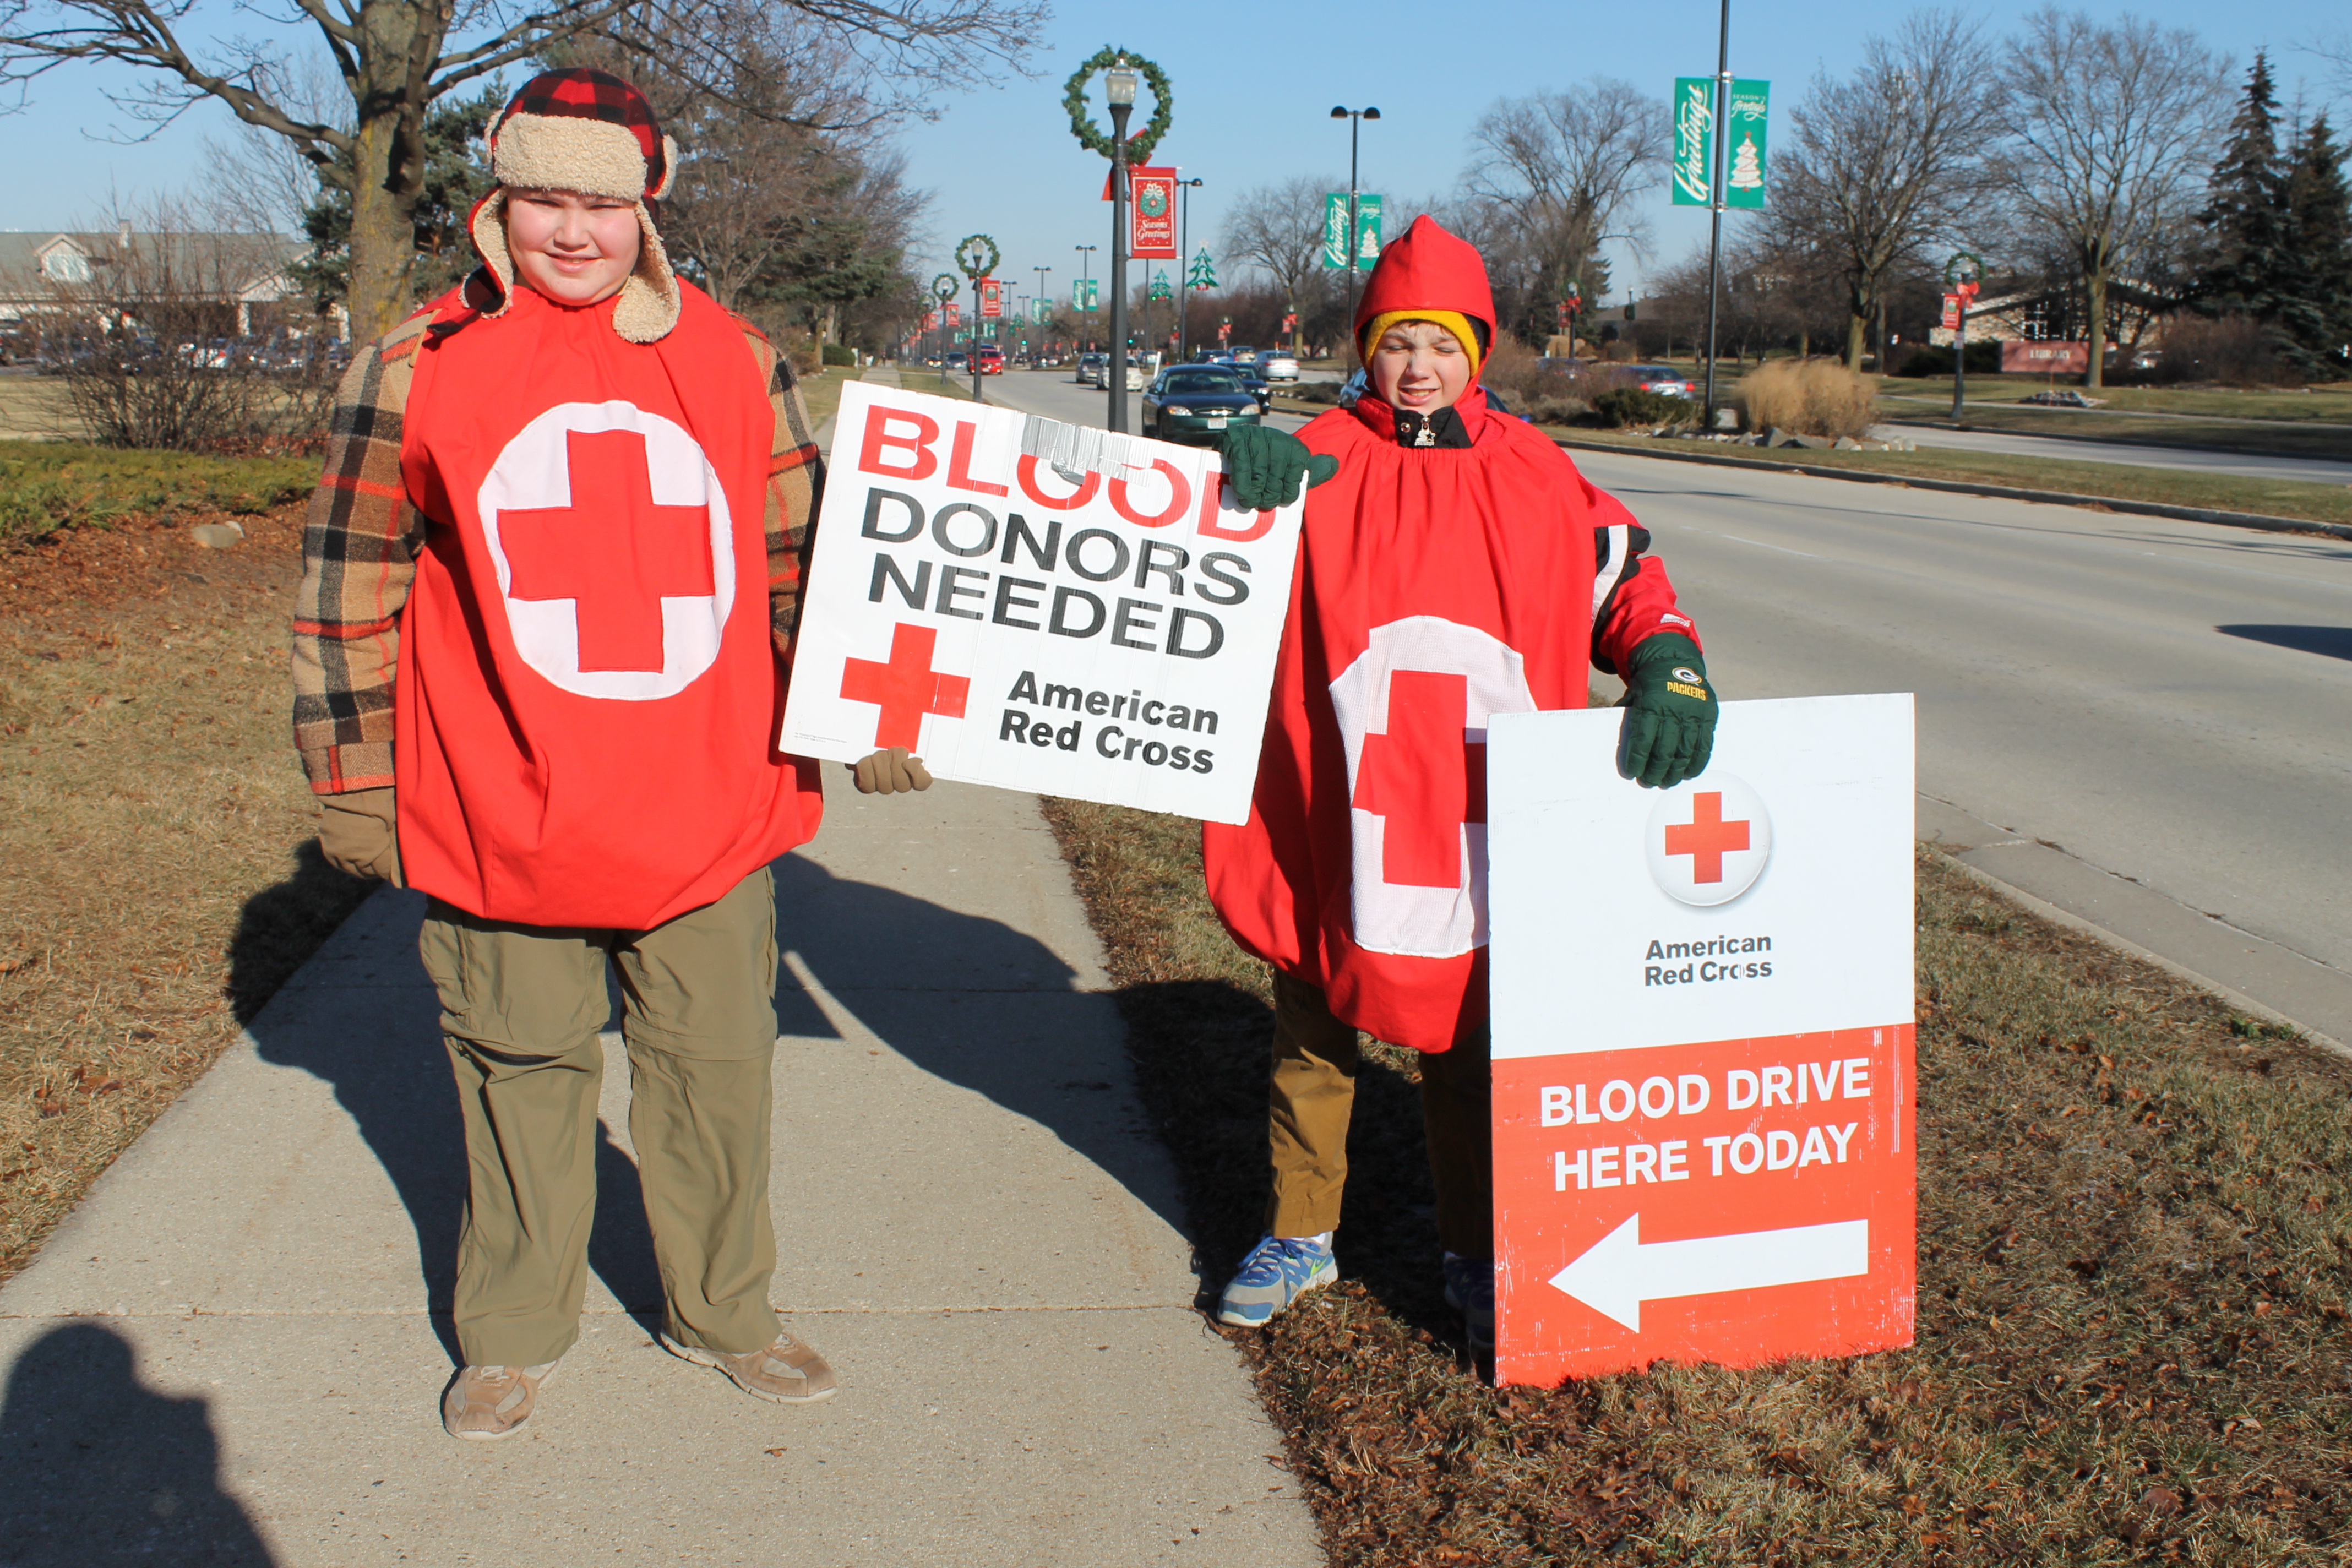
(1425, 777)
(905, 688)
(1706, 837)
(612, 553)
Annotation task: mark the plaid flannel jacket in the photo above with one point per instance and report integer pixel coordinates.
(360, 540)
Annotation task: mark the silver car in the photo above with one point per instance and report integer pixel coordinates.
(1276, 365)
(1090, 369)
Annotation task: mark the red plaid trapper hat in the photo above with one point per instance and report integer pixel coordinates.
(585, 130)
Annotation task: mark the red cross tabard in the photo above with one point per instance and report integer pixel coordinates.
(905, 688)
(612, 553)
(1706, 837)
(1425, 777)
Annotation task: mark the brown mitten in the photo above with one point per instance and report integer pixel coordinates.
(889, 771)
(359, 833)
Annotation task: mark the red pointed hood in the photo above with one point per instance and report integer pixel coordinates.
(1428, 269)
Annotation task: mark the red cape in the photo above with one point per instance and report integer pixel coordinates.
(1435, 585)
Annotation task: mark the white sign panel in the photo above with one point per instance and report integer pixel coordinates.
(1039, 606)
(1791, 853)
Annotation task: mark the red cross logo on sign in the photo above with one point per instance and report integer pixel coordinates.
(1412, 709)
(1708, 840)
(614, 550)
(905, 688)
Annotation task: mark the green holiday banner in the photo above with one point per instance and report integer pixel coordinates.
(1694, 126)
(1743, 128)
(1084, 295)
(1335, 230)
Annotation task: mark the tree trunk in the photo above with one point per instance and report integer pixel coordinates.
(1804, 342)
(1857, 337)
(2094, 282)
(399, 44)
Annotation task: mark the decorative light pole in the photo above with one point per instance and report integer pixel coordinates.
(1119, 71)
(1963, 276)
(1715, 205)
(1078, 295)
(1184, 248)
(943, 288)
(1355, 118)
(1044, 335)
(978, 255)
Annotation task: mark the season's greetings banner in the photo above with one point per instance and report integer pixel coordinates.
(1039, 606)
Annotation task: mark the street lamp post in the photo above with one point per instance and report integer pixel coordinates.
(1355, 118)
(1119, 88)
(1043, 337)
(1715, 241)
(1184, 248)
(943, 288)
(1085, 311)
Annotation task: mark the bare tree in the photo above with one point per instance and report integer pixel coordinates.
(1278, 230)
(1566, 167)
(396, 56)
(2114, 127)
(1890, 158)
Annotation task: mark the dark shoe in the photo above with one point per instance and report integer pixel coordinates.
(1470, 1291)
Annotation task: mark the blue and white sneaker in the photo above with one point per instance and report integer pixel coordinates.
(1470, 1291)
(1278, 1270)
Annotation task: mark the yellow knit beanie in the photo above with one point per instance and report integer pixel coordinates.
(1454, 321)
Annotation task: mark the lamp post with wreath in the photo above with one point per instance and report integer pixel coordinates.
(1963, 276)
(1119, 71)
(978, 255)
(943, 288)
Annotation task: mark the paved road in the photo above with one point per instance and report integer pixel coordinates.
(2168, 702)
(2243, 465)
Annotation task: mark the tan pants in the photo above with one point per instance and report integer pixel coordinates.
(1314, 1096)
(522, 1010)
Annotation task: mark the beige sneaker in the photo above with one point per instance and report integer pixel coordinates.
(486, 1402)
(787, 1371)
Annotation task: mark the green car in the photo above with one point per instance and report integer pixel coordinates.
(1195, 402)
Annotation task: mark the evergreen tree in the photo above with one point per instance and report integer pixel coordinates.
(2244, 214)
(2319, 228)
(456, 178)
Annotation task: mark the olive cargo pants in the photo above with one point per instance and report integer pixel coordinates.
(522, 1010)
(1313, 1098)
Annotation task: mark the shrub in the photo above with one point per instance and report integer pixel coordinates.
(1807, 397)
(2233, 351)
(840, 353)
(1629, 406)
(1545, 409)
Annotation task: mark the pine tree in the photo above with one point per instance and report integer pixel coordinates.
(2244, 214)
(2319, 230)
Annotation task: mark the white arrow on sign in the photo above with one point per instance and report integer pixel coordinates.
(1617, 1273)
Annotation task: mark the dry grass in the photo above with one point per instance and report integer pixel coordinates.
(2119, 481)
(2133, 1278)
(1807, 397)
(154, 828)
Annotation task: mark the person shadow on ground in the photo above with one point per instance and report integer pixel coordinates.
(97, 1469)
(391, 1073)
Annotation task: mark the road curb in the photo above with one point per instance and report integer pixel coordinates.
(2254, 520)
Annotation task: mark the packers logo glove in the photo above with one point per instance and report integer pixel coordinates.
(1262, 467)
(1670, 713)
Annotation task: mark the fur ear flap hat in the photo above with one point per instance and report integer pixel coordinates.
(587, 132)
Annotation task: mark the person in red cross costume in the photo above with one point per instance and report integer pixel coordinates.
(1452, 565)
(541, 653)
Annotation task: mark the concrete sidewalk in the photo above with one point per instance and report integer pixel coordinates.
(234, 1352)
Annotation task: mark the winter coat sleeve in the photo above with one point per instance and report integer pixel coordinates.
(796, 483)
(360, 542)
(1632, 599)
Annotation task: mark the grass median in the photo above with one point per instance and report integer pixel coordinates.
(155, 829)
(2116, 481)
(2134, 1270)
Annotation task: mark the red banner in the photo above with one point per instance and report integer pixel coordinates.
(1151, 214)
(991, 299)
(2046, 358)
(1951, 312)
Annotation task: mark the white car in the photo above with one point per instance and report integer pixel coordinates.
(1276, 365)
(1134, 376)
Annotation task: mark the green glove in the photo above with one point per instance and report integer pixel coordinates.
(1670, 713)
(1262, 467)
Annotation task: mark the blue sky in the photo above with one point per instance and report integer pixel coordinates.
(1253, 85)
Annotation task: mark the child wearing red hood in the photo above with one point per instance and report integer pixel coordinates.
(1453, 563)
(539, 656)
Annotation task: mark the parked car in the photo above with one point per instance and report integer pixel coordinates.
(1662, 379)
(957, 361)
(1276, 365)
(991, 358)
(1090, 369)
(1193, 403)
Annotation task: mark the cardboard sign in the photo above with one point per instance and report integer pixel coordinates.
(1702, 1042)
(1039, 606)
